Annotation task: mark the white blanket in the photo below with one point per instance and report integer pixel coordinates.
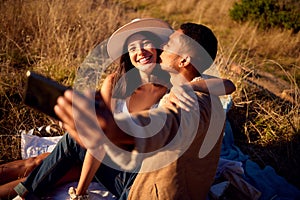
(32, 145)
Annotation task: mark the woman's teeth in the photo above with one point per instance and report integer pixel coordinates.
(144, 60)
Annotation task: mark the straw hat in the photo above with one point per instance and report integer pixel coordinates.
(117, 40)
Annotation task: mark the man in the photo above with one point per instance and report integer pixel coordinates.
(182, 175)
(179, 159)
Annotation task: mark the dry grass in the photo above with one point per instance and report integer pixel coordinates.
(53, 37)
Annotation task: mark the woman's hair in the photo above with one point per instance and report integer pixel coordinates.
(131, 81)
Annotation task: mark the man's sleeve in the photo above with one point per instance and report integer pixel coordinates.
(163, 129)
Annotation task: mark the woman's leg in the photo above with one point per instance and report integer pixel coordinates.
(47, 175)
(12, 173)
(7, 189)
(14, 170)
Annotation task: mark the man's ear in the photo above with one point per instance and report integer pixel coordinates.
(185, 61)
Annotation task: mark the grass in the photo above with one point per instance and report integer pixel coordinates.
(53, 38)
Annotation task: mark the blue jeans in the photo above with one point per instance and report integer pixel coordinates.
(66, 154)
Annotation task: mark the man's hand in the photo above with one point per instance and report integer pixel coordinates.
(183, 96)
(87, 120)
(79, 118)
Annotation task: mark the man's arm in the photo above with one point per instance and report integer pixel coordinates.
(215, 86)
(87, 123)
(170, 128)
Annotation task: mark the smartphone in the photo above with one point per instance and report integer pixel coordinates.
(41, 93)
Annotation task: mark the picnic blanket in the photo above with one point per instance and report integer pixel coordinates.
(271, 185)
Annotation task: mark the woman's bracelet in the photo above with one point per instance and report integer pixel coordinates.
(74, 196)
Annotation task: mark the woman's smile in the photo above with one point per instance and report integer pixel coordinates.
(145, 60)
(142, 53)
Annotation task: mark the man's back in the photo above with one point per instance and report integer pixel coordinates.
(188, 177)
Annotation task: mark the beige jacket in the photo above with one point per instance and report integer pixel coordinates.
(171, 164)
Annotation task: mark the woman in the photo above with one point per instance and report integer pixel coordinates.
(136, 74)
(141, 60)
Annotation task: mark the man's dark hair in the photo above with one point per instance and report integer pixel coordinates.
(203, 35)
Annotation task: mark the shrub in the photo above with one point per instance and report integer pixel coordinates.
(268, 13)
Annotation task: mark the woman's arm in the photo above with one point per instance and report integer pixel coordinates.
(90, 163)
(183, 95)
(215, 86)
(106, 90)
(89, 169)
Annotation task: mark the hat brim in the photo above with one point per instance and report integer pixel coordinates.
(117, 40)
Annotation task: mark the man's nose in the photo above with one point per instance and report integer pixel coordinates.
(159, 60)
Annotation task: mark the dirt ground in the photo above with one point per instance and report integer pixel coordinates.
(265, 80)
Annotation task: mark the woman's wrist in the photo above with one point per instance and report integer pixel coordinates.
(74, 196)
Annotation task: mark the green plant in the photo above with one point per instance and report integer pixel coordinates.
(268, 13)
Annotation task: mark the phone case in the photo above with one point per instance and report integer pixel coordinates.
(41, 93)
